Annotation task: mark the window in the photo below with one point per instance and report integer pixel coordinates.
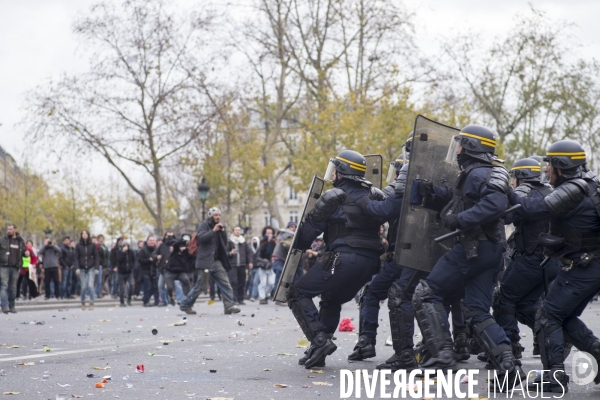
(293, 194)
(267, 218)
(294, 216)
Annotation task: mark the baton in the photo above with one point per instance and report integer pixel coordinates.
(460, 231)
(543, 267)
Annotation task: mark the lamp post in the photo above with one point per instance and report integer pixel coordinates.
(203, 190)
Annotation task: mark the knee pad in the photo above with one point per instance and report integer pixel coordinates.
(422, 292)
(310, 328)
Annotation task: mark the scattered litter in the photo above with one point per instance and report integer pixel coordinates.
(14, 346)
(207, 358)
(210, 302)
(316, 371)
(40, 323)
(101, 368)
(129, 385)
(281, 385)
(2, 372)
(346, 325)
(104, 380)
(465, 379)
(302, 343)
(154, 331)
(267, 369)
(105, 320)
(7, 393)
(42, 361)
(240, 323)
(163, 355)
(311, 376)
(306, 386)
(100, 385)
(47, 349)
(320, 383)
(126, 377)
(151, 354)
(63, 386)
(107, 377)
(83, 334)
(284, 354)
(272, 323)
(213, 371)
(26, 363)
(76, 396)
(140, 368)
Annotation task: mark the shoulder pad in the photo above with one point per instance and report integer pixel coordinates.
(388, 190)
(376, 194)
(400, 184)
(497, 179)
(327, 204)
(566, 196)
(523, 190)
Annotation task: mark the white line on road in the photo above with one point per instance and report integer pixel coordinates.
(62, 353)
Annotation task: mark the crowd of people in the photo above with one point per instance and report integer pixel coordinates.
(172, 270)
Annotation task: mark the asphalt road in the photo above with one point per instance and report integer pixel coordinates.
(250, 353)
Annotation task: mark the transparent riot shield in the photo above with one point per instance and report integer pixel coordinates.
(374, 169)
(294, 256)
(418, 226)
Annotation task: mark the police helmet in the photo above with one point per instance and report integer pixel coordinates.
(408, 144)
(395, 167)
(565, 154)
(349, 164)
(527, 169)
(477, 142)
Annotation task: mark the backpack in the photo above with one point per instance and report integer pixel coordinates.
(192, 246)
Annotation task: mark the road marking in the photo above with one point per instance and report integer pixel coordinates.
(62, 353)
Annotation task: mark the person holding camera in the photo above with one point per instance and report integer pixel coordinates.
(212, 257)
(124, 265)
(50, 255)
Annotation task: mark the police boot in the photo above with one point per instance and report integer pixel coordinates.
(555, 380)
(508, 372)
(307, 354)
(594, 350)
(517, 350)
(474, 347)
(365, 348)
(406, 360)
(323, 346)
(461, 347)
(536, 347)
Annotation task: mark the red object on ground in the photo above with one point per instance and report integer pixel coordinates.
(140, 368)
(346, 325)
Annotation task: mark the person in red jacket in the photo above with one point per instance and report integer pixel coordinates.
(24, 282)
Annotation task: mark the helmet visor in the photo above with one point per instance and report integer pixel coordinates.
(329, 171)
(391, 175)
(455, 144)
(544, 168)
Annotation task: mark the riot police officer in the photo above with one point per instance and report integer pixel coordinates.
(387, 284)
(574, 239)
(475, 203)
(523, 283)
(352, 254)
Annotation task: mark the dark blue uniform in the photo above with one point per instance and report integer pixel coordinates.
(576, 284)
(351, 259)
(474, 201)
(523, 281)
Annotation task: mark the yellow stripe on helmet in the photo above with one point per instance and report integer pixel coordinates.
(575, 155)
(485, 141)
(356, 166)
(531, 167)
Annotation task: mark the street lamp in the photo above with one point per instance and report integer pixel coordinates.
(48, 232)
(203, 190)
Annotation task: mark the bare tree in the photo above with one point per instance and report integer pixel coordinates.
(135, 106)
(531, 86)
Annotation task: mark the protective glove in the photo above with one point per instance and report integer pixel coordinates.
(426, 189)
(451, 221)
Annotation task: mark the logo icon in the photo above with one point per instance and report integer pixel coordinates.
(584, 368)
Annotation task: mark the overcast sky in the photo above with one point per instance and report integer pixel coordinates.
(37, 43)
